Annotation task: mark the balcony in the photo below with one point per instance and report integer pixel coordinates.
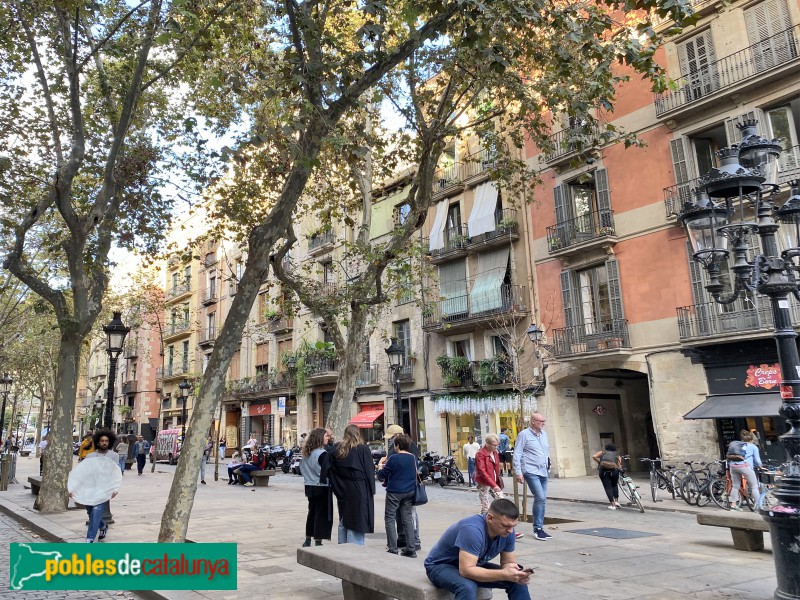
(130, 387)
(260, 384)
(702, 321)
(178, 291)
(208, 336)
(210, 260)
(368, 376)
(582, 233)
(176, 370)
(210, 295)
(321, 242)
(476, 166)
(280, 325)
(457, 372)
(98, 372)
(591, 337)
(178, 328)
(461, 313)
(505, 230)
(753, 64)
(675, 196)
(455, 245)
(320, 369)
(447, 181)
(405, 374)
(131, 350)
(568, 143)
(700, 7)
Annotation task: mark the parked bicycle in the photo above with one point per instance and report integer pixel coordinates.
(767, 479)
(629, 488)
(701, 486)
(660, 478)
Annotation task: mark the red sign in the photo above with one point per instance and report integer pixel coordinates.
(258, 410)
(763, 376)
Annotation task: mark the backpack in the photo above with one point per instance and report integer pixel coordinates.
(736, 451)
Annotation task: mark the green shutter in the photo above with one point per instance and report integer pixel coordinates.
(703, 314)
(614, 290)
(566, 299)
(603, 198)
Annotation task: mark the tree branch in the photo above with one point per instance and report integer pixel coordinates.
(96, 47)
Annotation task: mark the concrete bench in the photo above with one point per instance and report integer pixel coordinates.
(369, 573)
(24, 453)
(261, 478)
(747, 529)
(36, 483)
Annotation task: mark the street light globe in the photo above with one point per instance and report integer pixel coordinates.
(115, 335)
(395, 352)
(5, 384)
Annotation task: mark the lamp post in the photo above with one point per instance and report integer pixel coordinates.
(395, 352)
(5, 388)
(185, 388)
(733, 202)
(115, 337)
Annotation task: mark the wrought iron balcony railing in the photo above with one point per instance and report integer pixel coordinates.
(210, 294)
(777, 51)
(491, 304)
(710, 319)
(130, 387)
(593, 336)
(572, 140)
(590, 226)
(478, 163)
(319, 365)
(208, 335)
(368, 376)
(178, 327)
(178, 290)
(319, 241)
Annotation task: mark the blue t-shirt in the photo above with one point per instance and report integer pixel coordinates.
(401, 471)
(472, 536)
(505, 443)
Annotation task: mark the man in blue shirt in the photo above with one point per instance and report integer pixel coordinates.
(531, 464)
(504, 451)
(459, 561)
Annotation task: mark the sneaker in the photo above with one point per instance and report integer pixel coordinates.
(612, 507)
(390, 551)
(519, 536)
(408, 554)
(541, 535)
(88, 541)
(248, 484)
(736, 508)
(203, 481)
(307, 544)
(103, 532)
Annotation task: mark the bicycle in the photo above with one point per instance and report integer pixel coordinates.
(628, 488)
(659, 478)
(744, 496)
(767, 479)
(699, 491)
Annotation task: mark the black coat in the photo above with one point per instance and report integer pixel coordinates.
(353, 481)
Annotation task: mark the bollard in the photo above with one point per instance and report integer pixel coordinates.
(5, 471)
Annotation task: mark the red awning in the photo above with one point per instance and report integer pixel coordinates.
(366, 418)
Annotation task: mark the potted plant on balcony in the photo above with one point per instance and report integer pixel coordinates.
(507, 224)
(555, 244)
(606, 230)
(489, 371)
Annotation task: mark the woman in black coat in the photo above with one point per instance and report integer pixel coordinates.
(352, 477)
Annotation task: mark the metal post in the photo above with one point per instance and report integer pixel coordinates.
(397, 399)
(112, 375)
(3, 425)
(183, 420)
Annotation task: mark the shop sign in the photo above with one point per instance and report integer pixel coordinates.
(282, 406)
(260, 410)
(763, 376)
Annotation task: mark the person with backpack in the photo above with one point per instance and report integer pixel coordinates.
(608, 465)
(743, 458)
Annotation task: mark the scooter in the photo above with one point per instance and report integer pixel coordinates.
(428, 469)
(449, 472)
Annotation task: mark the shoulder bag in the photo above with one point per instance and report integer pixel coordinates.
(420, 494)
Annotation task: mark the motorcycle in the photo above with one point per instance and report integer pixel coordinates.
(289, 458)
(449, 472)
(428, 469)
(294, 465)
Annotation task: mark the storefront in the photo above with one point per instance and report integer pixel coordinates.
(261, 423)
(370, 420)
(745, 395)
(287, 419)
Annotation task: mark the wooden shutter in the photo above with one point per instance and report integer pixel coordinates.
(684, 171)
(703, 314)
(262, 354)
(567, 300)
(614, 290)
(697, 59)
(558, 200)
(603, 198)
(768, 30)
(234, 368)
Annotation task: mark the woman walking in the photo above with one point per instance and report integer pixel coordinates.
(352, 478)
(399, 472)
(319, 521)
(487, 472)
(743, 457)
(608, 465)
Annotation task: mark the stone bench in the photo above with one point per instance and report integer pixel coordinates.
(36, 483)
(369, 573)
(261, 478)
(747, 529)
(24, 453)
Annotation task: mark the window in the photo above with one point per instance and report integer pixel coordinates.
(212, 284)
(327, 273)
(769, 32)
(592, 300)
(487, 293)
(210, 324)
(460, 347)
(781, 122)
(453, 288)
(185, 358)
(263, 299)
(133, 371)
(452, 229)
(583, 208)
(694, 156)
(187, 275)
(186, 313)
(175, 280)
(698, 65)
(402, 331)
(401, 212)
(170, 358)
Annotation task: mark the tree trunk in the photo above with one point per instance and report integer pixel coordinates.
(351, 359)
(53, 496)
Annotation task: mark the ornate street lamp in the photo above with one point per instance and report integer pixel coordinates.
(396, 352)
(185, 388)
(746, 192)
(115, 338)
(5, 388)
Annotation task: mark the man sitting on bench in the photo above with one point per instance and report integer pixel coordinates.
(259, 463)
(459, 561)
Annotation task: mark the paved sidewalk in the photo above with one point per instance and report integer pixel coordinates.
(678, 560)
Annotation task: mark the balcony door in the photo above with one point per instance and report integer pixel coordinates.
(770, 35)
(781, 124)
(698, 64)
(592, 302)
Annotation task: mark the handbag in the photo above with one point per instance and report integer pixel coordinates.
(420, 494)
(607, 464)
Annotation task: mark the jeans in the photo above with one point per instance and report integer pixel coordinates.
(348, 536)
(203, 467)
(401, 532)
(245, 470)
(447, 577)
(122, 463)
(140, 458)
(393, 503)
(471, 470)
(96, 522)
(538, 486)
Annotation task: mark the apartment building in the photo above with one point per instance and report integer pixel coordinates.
(639, 354)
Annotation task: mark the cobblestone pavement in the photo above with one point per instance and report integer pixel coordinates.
(10, 532)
